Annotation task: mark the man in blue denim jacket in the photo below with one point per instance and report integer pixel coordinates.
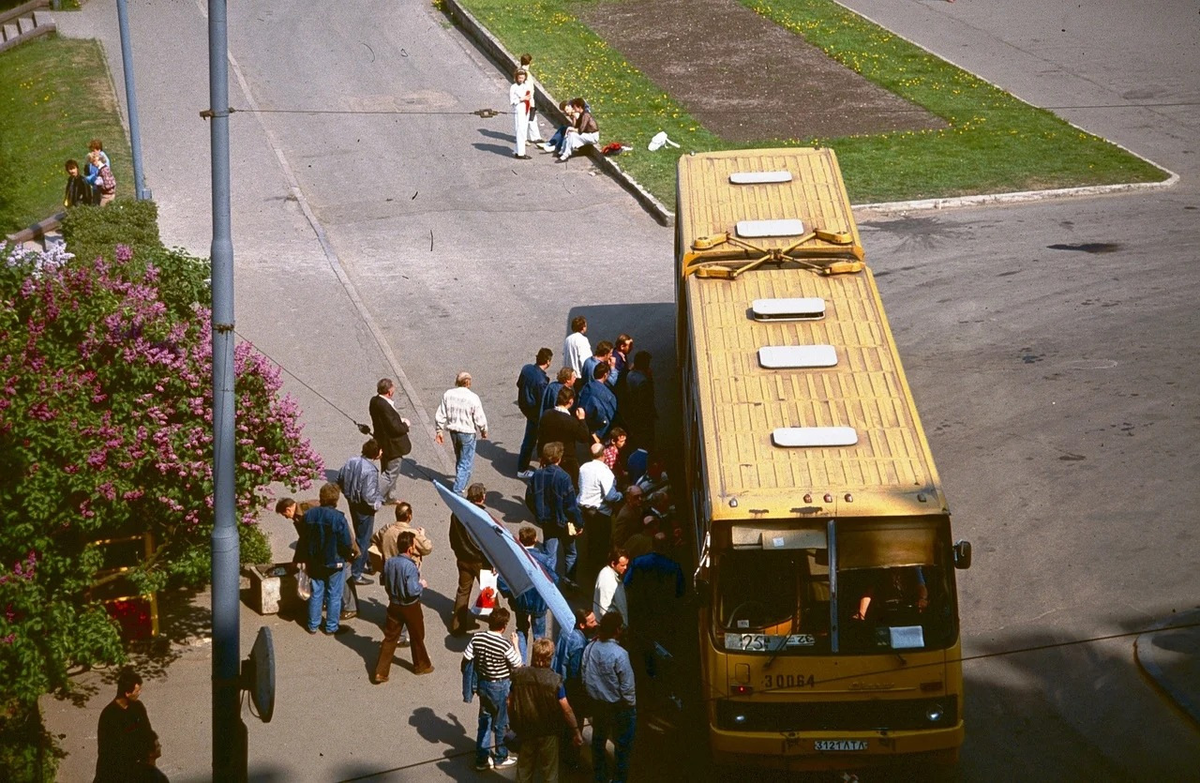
(552, 499)
(325, 544)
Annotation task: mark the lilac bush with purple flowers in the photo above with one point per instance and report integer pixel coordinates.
(105, 431)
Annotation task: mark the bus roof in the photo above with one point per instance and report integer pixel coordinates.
(751, 196)
(823, 423)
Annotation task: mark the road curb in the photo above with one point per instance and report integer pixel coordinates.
(548, 105)
(1176, 674)
(1020, 197)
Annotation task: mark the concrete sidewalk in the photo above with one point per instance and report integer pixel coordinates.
(337, 275)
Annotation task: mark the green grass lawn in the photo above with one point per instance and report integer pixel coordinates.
(995, 142)
(55, 96)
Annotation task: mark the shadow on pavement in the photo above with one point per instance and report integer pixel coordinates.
(494, 148)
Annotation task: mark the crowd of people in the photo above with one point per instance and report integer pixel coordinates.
(94, 184)
(581, 128)
(612, 504)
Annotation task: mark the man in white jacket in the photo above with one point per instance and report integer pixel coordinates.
(461, 413)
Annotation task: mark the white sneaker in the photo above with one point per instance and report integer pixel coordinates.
(509, 761)
(547, 147)
(525, 474)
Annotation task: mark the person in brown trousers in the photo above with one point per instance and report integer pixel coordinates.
(470, 561)
(404, 587)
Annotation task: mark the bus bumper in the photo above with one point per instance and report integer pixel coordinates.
(798, 751)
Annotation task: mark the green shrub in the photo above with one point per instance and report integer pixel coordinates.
(96, 231)
(27, 750)
(91, 232)
(255, 544)
(182, 279)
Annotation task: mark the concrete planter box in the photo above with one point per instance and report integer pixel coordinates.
(272, 587)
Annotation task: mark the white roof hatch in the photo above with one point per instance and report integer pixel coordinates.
(814, 437)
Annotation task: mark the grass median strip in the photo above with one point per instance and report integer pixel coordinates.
(994, 142)
(55, 96)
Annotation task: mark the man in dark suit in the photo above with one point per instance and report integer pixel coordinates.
(391, 431)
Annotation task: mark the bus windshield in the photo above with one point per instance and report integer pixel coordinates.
(774, 600)
(893, 589)
(894, 586)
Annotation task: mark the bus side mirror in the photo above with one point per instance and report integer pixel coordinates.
(962, 555)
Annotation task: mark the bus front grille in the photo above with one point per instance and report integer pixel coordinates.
(894, 715)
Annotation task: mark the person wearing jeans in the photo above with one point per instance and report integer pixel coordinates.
(531, 385)
(326, 545)
(608, 679)
(494, 658)
(552, 499)
(359, 482)
(529, 607)
(461, 414)
(464, 458)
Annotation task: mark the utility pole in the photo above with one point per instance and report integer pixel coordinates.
(229, 752)
(135, 133)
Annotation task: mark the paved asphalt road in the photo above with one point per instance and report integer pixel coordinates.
(398, 236)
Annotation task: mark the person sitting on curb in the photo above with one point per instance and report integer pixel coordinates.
(583, 132)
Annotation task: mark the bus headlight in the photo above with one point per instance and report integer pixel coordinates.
(739, 719)
(934, 713)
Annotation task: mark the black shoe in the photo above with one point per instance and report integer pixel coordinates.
(362, 580)
(523, 157)
(342, 629)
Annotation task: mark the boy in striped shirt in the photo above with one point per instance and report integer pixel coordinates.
(494, 657)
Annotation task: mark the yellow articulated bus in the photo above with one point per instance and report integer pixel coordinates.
(829, 631)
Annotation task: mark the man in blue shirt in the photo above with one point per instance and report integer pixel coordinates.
(654, 585)
(603, 354)
(608, 679)
(552, 498)
(326, 545)
(531, 385)
(598, 402)
(404, 587)
(359, 481)
(565, 377)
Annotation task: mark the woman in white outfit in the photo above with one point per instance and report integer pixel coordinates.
(585, 130)
(535, 132)
(520, 95)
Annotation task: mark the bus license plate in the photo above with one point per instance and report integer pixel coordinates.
(841, 745)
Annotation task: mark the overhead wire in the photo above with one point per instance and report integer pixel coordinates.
(487, 112)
